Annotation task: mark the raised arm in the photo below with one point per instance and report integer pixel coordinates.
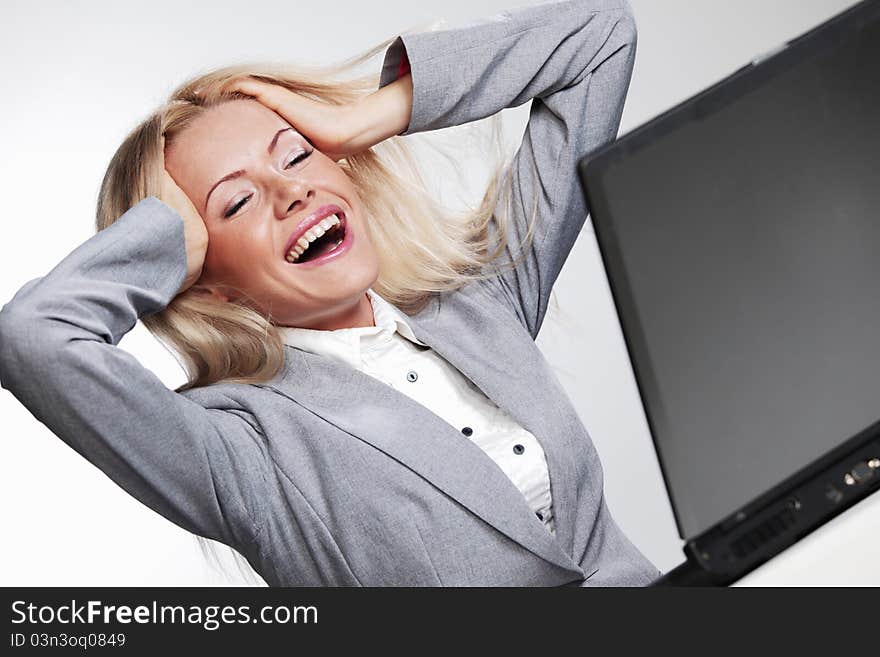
(197, 467)
(575, 59)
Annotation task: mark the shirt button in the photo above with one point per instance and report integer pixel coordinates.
(467, 431)
(412, 375)
(540, 516)
(518, 449)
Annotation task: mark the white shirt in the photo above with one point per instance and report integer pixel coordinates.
(391, 353)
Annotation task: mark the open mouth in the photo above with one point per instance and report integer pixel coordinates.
(320, 240)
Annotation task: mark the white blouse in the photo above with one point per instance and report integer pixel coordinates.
(391, 353)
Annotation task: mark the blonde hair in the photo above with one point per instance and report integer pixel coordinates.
(423, 247)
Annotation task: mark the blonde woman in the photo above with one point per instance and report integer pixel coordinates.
(365, 402)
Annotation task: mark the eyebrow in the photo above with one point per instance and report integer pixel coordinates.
(275, 139)
(240, 172)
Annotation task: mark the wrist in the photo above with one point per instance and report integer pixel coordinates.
(384, 113)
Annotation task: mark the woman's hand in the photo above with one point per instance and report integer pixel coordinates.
(195, 233)
(337, 130)
(327, 127)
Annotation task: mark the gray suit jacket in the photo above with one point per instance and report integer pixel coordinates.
(326, 475)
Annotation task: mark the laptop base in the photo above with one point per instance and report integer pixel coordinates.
(753, 536)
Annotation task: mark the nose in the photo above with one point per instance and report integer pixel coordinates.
(292, 196)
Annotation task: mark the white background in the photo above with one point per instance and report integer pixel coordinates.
(78, 75)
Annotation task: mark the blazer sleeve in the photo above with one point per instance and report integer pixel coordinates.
(574, 59)
(197, 467)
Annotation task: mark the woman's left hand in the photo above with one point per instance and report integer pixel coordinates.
(328, 127)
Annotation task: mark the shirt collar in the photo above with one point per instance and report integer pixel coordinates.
(347, 344)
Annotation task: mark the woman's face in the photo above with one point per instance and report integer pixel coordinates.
(254, 179)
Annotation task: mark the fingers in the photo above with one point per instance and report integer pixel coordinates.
(168, 185)
(270, 95)
(280, 100)
(273, 96)
(250, 86)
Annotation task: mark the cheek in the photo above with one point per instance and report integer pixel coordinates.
(235, 250)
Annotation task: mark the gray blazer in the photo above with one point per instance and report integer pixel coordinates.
(325, 475)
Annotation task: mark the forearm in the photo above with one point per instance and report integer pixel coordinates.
(384, 113)
(470, 71)
(59, 357)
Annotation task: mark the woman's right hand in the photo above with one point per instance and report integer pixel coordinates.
(195, 233)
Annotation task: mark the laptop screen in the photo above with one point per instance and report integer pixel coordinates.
(742, 244)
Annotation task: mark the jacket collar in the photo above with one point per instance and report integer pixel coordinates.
(369, 410)
(347, 344)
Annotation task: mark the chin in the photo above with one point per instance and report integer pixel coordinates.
(346, 284)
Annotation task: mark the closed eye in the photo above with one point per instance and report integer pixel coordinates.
(299, 158)
(238, 206)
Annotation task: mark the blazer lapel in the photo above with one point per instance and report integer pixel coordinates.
(412, 434)
(494, 351)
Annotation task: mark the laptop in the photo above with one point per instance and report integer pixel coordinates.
(740, 233)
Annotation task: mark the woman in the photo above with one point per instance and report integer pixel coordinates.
(366, 404)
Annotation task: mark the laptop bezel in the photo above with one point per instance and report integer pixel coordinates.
(591, 169)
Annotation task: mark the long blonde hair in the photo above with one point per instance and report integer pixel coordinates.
(423, 247)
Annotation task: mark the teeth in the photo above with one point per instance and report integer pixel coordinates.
(311, 235)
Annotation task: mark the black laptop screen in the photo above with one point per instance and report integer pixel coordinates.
(743, 248)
